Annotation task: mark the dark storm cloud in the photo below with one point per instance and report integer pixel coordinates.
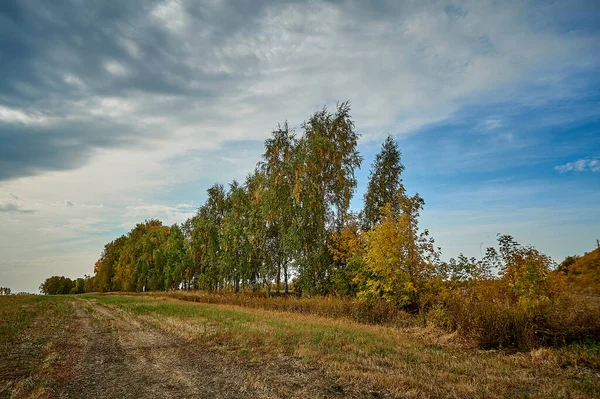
(79, 75)
(59, 60)
(54, 55)
(41, 41)
(27, 150)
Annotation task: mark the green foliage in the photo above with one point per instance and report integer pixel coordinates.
(325, 181)
(56, 285)
(385, 184)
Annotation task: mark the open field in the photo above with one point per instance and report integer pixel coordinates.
(139, 346)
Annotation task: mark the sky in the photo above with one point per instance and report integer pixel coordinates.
(115, 112)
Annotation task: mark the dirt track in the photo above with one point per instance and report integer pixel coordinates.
(111, 354)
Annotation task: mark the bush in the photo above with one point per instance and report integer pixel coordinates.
(490, 318)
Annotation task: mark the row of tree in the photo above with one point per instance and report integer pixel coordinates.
(275, 225)
(289, 223)
(60, 285)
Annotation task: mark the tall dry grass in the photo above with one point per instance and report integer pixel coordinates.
(490, 318)
(371, 313)
(486, 315)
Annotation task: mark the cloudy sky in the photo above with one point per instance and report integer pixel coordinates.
(115, 112)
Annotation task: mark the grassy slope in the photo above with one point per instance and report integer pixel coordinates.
(588, 264)
(412, 362)
(584, 274)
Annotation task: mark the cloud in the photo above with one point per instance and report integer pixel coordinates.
(14, 208)
(592, 164)
(32, 148)
(167, 214)
(72, 204)
(177, 75)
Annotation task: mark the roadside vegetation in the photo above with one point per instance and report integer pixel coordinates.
(287, 231)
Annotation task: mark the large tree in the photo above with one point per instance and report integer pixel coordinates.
(385, 183)
(278, 205)
(325, 160)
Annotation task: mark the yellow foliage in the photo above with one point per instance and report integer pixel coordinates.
(347, 243)
(394, 264)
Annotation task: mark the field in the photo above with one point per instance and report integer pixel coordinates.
(107, 346)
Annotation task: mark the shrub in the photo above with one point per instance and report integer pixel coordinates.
(490, 318)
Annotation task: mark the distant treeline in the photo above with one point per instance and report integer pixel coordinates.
(60, 285)
(288, 228)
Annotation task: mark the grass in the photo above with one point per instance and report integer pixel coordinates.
(402, 362)
(17, 312)
(332, 307)
(29, 328)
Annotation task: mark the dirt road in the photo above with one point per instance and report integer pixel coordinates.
(108, 353)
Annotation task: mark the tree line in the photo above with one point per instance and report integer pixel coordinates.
(288, 227)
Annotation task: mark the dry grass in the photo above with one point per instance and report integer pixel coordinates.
(490, 319)
(30, 328)
(379, 360)
(375, 313)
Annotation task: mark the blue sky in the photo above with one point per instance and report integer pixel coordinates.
(111, 113)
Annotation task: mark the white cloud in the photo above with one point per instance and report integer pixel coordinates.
(12, 115)
(74, 80)
(167, 214)
(116, 68)
(581, 165)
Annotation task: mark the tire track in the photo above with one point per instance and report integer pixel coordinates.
(120, 356)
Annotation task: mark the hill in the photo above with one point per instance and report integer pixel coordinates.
(583, 271)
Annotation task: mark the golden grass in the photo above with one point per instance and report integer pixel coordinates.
(327, 306)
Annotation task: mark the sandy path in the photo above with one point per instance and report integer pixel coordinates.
(118, 356)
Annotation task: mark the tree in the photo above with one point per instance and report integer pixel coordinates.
(233, 260)
(348, 249)
(324, 165)
(104, 269)
(206, 239)
(141, 260)
(177, 258)
(256, 231)
(57, 285)
(78, 286)
(385, 184)
(524, 270)
(399, 260)
(465, 270)
(278, 205)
